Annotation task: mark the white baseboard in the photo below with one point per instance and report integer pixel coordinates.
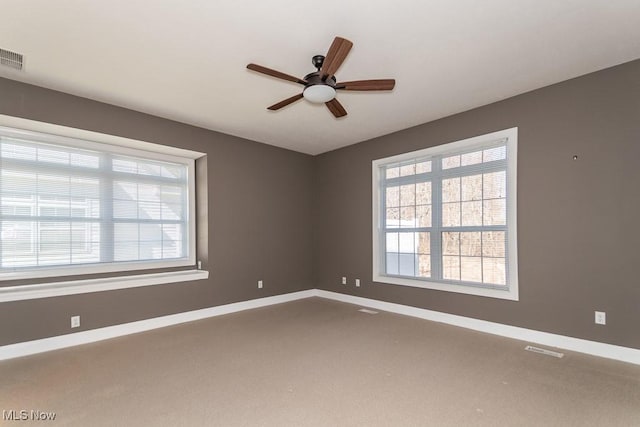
(609, 351)
(54, 343)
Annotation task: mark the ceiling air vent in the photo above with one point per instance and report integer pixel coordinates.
(10, 59)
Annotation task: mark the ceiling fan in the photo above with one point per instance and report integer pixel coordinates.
(320, 86)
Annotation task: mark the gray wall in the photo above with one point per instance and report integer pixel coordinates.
(579, 240)
(259, 220)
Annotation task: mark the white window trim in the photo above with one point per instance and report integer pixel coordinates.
(47, 132)
(512, 292)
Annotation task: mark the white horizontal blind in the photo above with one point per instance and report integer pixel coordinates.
(444, 216)
(68, 206)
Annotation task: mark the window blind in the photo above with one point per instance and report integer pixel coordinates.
(63, 205)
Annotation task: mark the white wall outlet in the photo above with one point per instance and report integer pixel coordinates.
(75, 321)
(344, 280)
(199, 265)
(357, 283)
(601, 318)
(259, 284)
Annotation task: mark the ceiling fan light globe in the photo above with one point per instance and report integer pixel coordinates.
(319, 94)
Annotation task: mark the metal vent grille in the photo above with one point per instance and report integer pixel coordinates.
(10, 59)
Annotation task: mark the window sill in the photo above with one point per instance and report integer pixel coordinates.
(45, 290)
(508, 294)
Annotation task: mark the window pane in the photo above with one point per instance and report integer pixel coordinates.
(494, 271)
(151, 249)
(451, 214)
(408, 169)
(471, 213)
(470, 244)
(392, 263)
(171, 211)
(53, 185)
(451, 267)
(54, 243)
(392, 197)
(125, 209)
(423, 242)
(471, 187)
(126, 251)
(124, 165)
(408, 217)
(408, 195)
(471, 158)
(85, 242)
(424, 266)
(493, 244)
(423, 193)
(19, 243)
(125, 190)
(451, 162)
(393, 218)
(16, 150)
(495, 185)
(392, 242)
(149, 192)
(424, 215)
(470, 269)
(406, 243)
(125, 232)
(451, 190)
(392, 171)
(491, 154)
(423, 167)
(451, 243)
(407, 264)
(495, 212)
(150, 210)
(150, 232)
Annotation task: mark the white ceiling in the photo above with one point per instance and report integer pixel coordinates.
(185, 60)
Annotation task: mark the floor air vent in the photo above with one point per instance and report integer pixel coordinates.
(544, 351)
(10, 59)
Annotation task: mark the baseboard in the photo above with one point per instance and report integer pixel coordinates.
(62, 341)
(609, 351)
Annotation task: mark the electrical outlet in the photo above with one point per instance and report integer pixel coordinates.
(601, 318)
(259, 284)
(344, 280)
(75, 321)
(357, 283)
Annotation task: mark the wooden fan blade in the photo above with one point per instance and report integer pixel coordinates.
(274, 73)
(336, 55)
(286, 102)
(336, 108)
(380, 84)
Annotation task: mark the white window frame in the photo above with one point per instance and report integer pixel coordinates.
(61, 135)
(510, 291)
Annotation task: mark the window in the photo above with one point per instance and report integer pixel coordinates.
(445, 217)
(71, 206)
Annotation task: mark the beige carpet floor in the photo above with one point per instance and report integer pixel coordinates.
(316, 362)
